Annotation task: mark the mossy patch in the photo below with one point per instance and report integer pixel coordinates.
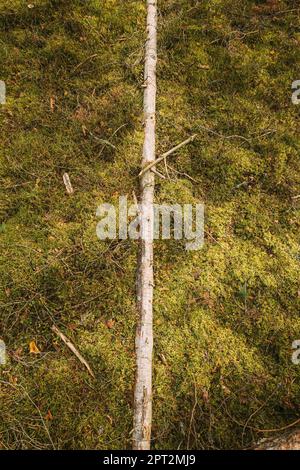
(226, 315)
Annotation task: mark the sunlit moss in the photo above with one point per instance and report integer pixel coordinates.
(226, 315)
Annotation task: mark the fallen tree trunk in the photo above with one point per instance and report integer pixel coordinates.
(289, 440)
(144, 335)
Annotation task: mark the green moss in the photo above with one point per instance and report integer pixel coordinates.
(226, 315)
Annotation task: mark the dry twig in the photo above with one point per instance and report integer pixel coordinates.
(67, 183)
(73, 349)
(166, 154)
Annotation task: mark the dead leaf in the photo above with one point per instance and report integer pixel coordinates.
(52, 103)
(207, 300)
(109, 419)
(49, 416)
(226, 389)
(81, 114)
(33, 349)
(110, 324)
(205, 395)
(18, 352)
(13, 380)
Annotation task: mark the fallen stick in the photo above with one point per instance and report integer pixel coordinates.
(84, 61)
(67, 183)
(158, 173)
(166, 154)
(73, 349)
(183, 174)
(142, 405)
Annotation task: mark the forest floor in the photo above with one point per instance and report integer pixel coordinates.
(225, 315)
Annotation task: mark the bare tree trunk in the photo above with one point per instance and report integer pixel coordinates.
(289, 440)
(144, 335)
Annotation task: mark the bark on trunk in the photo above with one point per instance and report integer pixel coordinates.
(144, 335)
(289, 440)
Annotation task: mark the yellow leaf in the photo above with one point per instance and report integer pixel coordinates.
(33, 349)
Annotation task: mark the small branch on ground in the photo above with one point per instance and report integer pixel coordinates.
(73, 349)
(67, 183)
(166, 154)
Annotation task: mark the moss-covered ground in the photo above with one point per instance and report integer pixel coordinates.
(226, 315)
